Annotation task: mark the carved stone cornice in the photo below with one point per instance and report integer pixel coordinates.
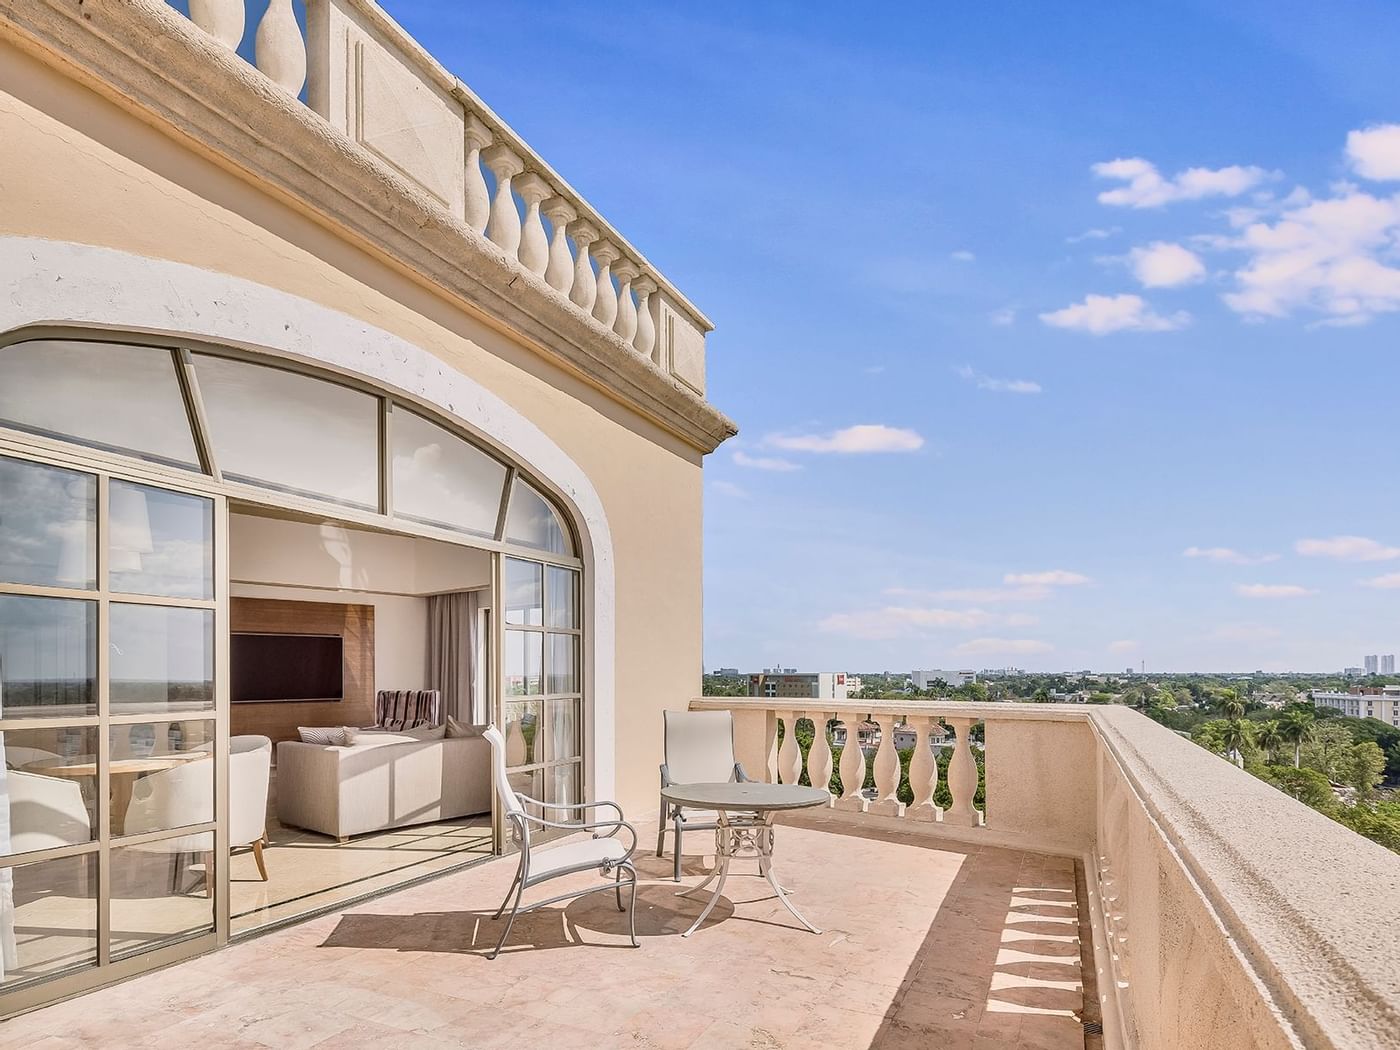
(152, 61)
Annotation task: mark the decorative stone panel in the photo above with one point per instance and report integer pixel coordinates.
(680, 346)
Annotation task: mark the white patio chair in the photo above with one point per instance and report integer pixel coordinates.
(698, 749)
(604, 851)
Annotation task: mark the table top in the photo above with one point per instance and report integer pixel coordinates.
(119, 766)
(745, 796)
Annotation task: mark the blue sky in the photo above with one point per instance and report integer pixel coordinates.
(1104, 284)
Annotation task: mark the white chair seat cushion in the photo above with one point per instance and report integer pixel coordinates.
(590, 853)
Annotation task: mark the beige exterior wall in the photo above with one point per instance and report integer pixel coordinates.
(77, 168)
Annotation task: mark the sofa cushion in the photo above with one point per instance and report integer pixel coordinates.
(332, 735)
(380, 737)
(460, 729)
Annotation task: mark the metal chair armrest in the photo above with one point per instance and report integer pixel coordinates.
(740, 777)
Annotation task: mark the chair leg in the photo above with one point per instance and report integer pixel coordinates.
(618, 887)
(661, 830)
(509, 922)
(676, 874)
(632, 912)
(258, 858)
(513, 883)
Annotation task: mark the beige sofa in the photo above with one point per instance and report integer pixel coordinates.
(344, 791)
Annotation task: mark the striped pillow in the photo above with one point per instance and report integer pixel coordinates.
(333, 736)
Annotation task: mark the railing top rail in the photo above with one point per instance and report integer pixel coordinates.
(382, 21)
(938, 708)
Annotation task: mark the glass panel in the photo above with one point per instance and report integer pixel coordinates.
(532, 522)
(291, 432)
(159, 892)
(524, 592)
(162, 776)
(443, 480)
(48, 788)
(161, 542)
(161, 659)
(48, 917)
(522, 724)
(530, 784)
(561, 605)
(561, 784)
(48, 525)
(562, 730)
(48, 657)
(113, 396)
(563, 664)
(524, 659)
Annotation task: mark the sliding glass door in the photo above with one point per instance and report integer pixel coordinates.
(110, 723)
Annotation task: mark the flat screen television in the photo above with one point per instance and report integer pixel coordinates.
(264, 668)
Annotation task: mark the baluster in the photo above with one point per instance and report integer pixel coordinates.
(605, 305)
(626, 323)
(923, 771)
(534, 245)
(819, 758)
(478, 197)
(645, 339)
(852, 767)
(279, 49)
(221, 19)
(887, 772)
(504, 225)
(790, 753)
(962, 777)
(559, 274)
(770, 749)
(585, 288)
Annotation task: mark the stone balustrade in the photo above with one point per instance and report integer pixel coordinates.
(1224, 913)
(369, 78)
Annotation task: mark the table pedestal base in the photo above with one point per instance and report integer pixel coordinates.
(748, 840)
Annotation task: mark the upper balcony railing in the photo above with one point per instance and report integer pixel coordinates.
(1224, 912)
(370, 79)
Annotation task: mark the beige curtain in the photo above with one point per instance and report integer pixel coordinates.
(452, 645)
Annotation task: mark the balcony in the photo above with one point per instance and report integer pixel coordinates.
(1117, 876)
(353, 122)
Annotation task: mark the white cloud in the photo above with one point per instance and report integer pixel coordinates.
(1000, 386)
(1052, 578)
(728, 488)
(1004, 317)
(1166, 265)
(976, 595)
(962, 256)
(874, 370)
(865, 437)
(1389, 582)
(1124, 645)
(743, 459)
(1271, 590)
(895, 621)
(1227, 555)
(1244, 632)
(1347, 548)
(1146, 187)
(1004, 646)
(1375, 152)
(1095, 234)
(1331, 256)
(1103, 314)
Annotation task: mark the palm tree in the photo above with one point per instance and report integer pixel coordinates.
(1230, 704)
(1269, 736)
(1296, 728)
(1236, 735)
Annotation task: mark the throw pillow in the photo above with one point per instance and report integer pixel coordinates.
(334, 736)
(458, 729)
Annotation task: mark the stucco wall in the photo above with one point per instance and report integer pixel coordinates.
(76, 168)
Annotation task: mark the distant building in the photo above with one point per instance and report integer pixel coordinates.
(728, 672)
(1373, 664)
(1388, 664)
(1382, 704)
(1353, 672)
(787, 684)
(926, 679)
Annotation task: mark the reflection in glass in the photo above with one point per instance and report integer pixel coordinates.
(443, 480)
(291, 432)
(159, 892)
(522, 733)
(48, 525)
(160, 542)
(48, 918)
(48, 656)
(561, 784)
(523, 662)
(161, 659)
(532, 522)
(561, 605)
(48, 788)
(524, 592)
(162, 776)
(111, 395)
(529, 783)
(563, 664)
(562, 729)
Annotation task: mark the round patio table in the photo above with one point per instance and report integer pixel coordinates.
(745, 817)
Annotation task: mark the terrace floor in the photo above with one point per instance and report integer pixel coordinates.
(926, 944)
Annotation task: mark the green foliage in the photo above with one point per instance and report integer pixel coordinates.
(724, 685)
(1308, 786)
(1379, 822)
(1364, 767)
